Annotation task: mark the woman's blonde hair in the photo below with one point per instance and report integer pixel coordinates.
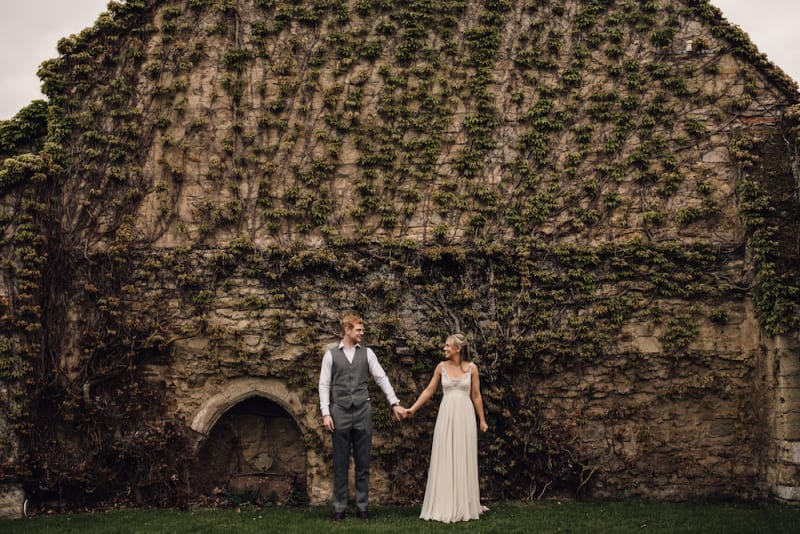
(459, 341)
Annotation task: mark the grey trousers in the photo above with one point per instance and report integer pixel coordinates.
(352, 432)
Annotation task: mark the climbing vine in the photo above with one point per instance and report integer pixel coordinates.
(543, 176)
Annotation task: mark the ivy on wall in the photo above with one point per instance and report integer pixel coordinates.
(525, 172)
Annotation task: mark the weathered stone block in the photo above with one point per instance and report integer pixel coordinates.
(787, 426)
(789, 452)
(787, 493)
(787, 343)
(718, 155)
(789, 364)
(648, 344)
(12, 501)
(788, 398)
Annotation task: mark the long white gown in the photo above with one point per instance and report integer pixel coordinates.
(452, 493)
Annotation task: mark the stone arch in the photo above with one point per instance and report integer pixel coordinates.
(252, 441)
(240, 389)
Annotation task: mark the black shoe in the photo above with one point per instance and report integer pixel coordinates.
(363, 515)
(337, 516)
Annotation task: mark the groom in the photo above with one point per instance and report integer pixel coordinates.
(347, 413)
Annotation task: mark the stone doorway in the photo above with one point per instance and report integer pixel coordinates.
(255, 451)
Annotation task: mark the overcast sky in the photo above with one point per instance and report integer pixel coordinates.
(30, 29)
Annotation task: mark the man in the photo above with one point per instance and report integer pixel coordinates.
(347, 413)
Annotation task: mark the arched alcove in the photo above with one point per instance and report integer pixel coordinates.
(252, 443)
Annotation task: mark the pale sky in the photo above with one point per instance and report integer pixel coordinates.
(30, 29)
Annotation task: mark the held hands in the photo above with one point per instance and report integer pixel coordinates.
(400, 413)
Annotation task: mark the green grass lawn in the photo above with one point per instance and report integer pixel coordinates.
(539, 517)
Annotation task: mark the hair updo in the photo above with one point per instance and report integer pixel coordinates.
(460, 342)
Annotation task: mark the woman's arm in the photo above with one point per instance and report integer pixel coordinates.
(477, 399)
(428, 392)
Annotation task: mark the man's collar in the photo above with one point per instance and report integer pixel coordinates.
(341, 345)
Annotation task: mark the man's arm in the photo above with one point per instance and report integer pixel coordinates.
(382, 380)
(325, 384)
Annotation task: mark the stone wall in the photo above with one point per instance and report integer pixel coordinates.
(784, 448)
(601, 195)
(641, 422)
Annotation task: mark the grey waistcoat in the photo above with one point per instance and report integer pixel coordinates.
(349, 381)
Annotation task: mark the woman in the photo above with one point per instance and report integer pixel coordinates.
(452, 492)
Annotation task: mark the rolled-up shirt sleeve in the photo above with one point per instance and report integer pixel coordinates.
(325, 384)
(380, 378)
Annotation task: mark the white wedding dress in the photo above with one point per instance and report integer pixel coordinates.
(452, 493)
